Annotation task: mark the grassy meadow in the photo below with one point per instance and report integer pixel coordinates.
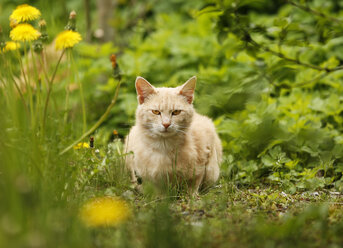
(270, 75)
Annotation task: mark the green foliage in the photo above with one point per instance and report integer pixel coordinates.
(270, 79)
(290, 136)
(272, 82)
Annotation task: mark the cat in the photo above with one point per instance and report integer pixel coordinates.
(171, 138)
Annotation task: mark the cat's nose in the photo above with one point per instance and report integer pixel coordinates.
(166, 125)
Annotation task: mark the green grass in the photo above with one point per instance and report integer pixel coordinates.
(42, 193)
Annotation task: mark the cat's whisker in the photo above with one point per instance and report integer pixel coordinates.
(180, 129)
(182, 125)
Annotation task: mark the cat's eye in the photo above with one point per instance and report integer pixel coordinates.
(176, 112)
(156, 112)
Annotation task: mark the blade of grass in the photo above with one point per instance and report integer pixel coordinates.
(84, 119)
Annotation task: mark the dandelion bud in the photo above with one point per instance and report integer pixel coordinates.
(44, 35)
(42, 23)
(72, 21)
(113, 59)
(38, 46)
(13, 23)
(72, 15)
(91, 142)
(115, 67)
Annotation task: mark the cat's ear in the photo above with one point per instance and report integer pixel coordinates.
(187, 89)
(144, 89)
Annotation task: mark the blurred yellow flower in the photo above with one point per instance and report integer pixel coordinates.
(67, 39)
(25, 13)
(105, 211)
(81, 145)
(24, 32)
(11, 46)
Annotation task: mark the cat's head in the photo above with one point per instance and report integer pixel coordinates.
(164, 112)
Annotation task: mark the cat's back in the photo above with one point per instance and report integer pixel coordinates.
(203, 126)
(202, 122)
(204, 133)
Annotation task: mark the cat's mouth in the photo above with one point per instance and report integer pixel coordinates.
(166, 132)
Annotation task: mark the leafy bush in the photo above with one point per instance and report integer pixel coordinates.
(271, 82)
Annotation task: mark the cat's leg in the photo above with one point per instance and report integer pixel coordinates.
(134, 182)
(199, 172)
(212, 169)
(133, 178)
(197, 179)
(198, 182)
(129, 161)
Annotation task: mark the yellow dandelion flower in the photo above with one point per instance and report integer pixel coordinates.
(105, 211)
(11, 46)
(24, 32)
(25, 13)
(67, 39)
(81, 145)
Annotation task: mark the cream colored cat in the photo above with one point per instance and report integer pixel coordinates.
(170, 138)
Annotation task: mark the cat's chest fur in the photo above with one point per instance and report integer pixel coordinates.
(154, 158)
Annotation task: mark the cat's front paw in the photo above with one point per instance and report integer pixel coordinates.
(207, 154)
(137, 188)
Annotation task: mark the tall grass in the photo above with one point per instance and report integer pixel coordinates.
(38, 186)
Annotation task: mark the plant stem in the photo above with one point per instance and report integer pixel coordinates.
(98, 123)
(295, 61)
(28, 85)
(15, 83)
(69, 79)
(320, 76)
(4, 87)
(42, 64)
(315, 12)
(38, 84)
(84, 119)
(50, 83)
